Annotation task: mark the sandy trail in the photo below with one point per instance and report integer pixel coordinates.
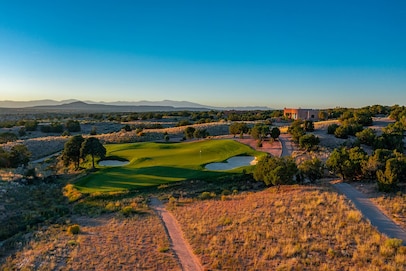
(187, 258)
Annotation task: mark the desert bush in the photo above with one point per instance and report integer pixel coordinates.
(189, 132)
(70, 192)
(332, 128)
(347, 163)
(127, 211)
(311, 169)
(308, 142)
(308, 125)
(276, 171)
(341, 132)
(7, 137)
(366, 136)
(207, 195)
(74, 229)
(395, 171)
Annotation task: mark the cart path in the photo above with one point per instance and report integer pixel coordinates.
(369, 210)
(187, 259)
(287, 145)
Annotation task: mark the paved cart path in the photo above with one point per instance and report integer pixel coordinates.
(287, 144)
(371, 212)
(187, 258)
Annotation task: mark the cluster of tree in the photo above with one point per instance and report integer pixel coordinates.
(361, 114)
(252, 115)
(17, 156)
(57, 127)
(398, 113)
(141, 126)
(298, 129)
(387, 167)
(7, 137)
(347, 128)
(77, 148)
(391, 137)
(278, 171)
(260, 131)
(238, 128)
(191, 132)
(11, 123)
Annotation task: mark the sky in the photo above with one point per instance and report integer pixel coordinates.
(309, 54)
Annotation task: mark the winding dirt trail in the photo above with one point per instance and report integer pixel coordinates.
(187, 258)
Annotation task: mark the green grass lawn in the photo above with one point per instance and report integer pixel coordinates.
(153, 164)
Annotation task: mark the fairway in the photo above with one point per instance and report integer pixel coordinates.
(152, 164)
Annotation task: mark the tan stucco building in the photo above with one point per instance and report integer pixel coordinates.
(299, 113)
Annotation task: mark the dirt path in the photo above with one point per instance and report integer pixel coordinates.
(188, 260)
(371, 212)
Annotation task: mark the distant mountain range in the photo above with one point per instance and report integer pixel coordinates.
(119, 106)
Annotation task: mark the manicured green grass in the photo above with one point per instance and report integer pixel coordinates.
(153, 164)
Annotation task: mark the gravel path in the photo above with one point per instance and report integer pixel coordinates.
(369, 210)
(188, 260)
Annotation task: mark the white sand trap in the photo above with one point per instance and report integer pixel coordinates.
(233, 162)
(113, 163)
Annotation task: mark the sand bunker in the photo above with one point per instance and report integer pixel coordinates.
(113, 163)
(233, 162)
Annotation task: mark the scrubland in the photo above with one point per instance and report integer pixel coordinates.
(287, 228)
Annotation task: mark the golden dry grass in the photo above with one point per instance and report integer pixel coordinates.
(109, 242)
(296, 228)
(393, 206)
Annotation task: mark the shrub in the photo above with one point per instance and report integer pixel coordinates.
(308, 141)
(395, 171)
(276, 171)
(207, 195)
(309, 126)
(7, 137)
(332, 128)
(74, 229)
(366, 136)
(347, 163)
(341, 132)
(127, 211)
(311, 169)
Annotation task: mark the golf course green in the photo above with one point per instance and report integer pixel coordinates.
(152, 164)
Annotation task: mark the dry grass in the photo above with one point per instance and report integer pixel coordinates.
(109, 242)
(296, 228)
(393, 206)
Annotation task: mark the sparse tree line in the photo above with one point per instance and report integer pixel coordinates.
(386, 165)
(78, 148)
(259, 131)
(284, 170)
(191, 132)
(32, 125)
(17, 156)
(298, 130)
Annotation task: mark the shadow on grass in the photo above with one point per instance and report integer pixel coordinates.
(116, 179)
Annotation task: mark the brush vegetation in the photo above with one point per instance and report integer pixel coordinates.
(293, 228)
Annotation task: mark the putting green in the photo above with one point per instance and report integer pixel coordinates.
(153, 164)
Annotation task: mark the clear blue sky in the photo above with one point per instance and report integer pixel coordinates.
(222, 53)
